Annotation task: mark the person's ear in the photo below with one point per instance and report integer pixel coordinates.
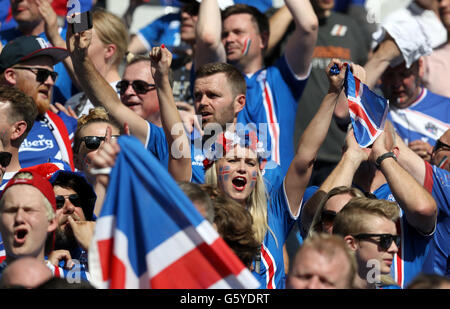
(18, 129)
(10, 76)
(52, 225)
(264, 40)
(110, 50)
(421, 67)
(239, 103)
(351, 242)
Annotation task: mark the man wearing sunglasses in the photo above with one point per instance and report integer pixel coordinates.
(27, 64)
(29, 21)
(436, 179)
(137, 90)
(377, 171)
(75, 200)
(369, 229)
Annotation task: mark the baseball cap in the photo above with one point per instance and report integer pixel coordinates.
(46, 170)
(27, 47)
(33, 178)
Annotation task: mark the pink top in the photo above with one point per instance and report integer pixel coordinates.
(437, 71)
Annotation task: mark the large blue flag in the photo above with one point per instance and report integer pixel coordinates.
(149, 234)
(368, 111)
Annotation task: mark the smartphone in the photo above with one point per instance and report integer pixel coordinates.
(82, 22)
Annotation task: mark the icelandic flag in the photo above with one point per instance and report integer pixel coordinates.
(2, 251)
(368, 111)
(149, 234)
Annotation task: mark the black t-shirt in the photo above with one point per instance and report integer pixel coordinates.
(339, 37)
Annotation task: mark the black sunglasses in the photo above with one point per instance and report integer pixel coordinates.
(93, 142)
(327, 216)
(41, 74)
(5, 158)
(73, 198)
(139, 86)
(385, 241)
(439, 145)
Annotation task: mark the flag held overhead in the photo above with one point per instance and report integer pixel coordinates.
(368, 111)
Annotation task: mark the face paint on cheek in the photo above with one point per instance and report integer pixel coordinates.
(224, 173)
(443, 162)
(246, 47)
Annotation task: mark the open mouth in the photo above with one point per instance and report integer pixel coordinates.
(239, 183)
(20, 236)
(206, 115)
(44, 93)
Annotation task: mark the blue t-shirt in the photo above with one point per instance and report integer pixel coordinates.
(261, 5)
(414, 246)
(280, 220)
(426, 119)
(157, 144)
(272, 101)
(6, 20)
(165, 29)
(437, 261)
(40, 145)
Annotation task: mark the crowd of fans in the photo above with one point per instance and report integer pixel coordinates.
(239, 103)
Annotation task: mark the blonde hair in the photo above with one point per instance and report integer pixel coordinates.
(256, 203)
(111, 30)
(351, 219)
(329, 246)
(49, 211)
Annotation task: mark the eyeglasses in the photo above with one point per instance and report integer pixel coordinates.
(5, 158)
(440, 145)
(41, 74)
(139, 86)
(385, 241)
(327, 216)
(93, 142)
(73, 198)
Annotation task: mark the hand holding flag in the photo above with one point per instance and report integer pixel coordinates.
(368, 111)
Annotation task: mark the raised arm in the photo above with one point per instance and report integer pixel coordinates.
(97, 88)
(380, 60)
(52, 33)
(180, 166)
(208, 44)
(342, 175)
(299, 171)
(418, 205)
(279, 24)
(409, 160)
(301, 43)
(374, 67)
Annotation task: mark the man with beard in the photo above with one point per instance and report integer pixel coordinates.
(27, 64)
(75, 200)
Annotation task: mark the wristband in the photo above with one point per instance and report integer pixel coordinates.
(384, 156)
